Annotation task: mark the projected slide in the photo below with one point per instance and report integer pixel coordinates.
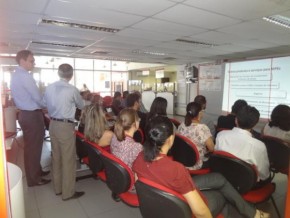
(262, 83)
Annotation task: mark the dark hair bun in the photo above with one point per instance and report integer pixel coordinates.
(154, 134)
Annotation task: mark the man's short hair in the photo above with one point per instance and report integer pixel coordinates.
(132, 98)
(23, 54)
(247, 117)
(238, 105)
(65, 71)
(200, 99)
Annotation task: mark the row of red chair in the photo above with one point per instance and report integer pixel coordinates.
(240, 174)
(154, 200)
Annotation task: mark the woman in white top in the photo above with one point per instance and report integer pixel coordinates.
(279, 125)
(197, 132)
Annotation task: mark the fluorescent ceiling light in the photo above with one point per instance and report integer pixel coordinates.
(149, 52)
(57, 44)
(78, 25)
(279, 20)
(7, 55)
(196, 43)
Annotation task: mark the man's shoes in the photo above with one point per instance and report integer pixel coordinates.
(75, 196)
(58, 193)
(44, 173)
(41, 182)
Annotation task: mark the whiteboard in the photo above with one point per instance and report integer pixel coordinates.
(210, 85)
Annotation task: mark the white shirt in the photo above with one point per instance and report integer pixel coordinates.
(61, 99)
(241, 144)
(275, 131)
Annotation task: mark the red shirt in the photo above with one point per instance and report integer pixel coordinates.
(165, 172)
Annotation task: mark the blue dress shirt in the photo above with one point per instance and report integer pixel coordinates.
(61, 99)
(24, 90)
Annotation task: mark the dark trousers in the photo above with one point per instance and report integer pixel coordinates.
(235, 205)
(32, 125)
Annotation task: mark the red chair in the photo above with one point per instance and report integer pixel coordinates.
(278, 153)
(139, 136)
(81, 149)
(243, 177)
(120, 179)
(159, 201)
(95, 161)
(175, 122)
(184, 151)
(107, 101)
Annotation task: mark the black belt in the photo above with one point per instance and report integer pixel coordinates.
(62, 120)
(32, 110)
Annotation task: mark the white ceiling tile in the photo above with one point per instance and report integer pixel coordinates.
(148, 25)
(91, 14)
(245, 9)
(215, 37)
(168, 27)
(24, 5)
(145, 34)
(196, 17)
(139, 7)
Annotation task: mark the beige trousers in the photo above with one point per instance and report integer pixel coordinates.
(62, 137)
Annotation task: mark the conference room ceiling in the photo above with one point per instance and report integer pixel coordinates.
(151, 31)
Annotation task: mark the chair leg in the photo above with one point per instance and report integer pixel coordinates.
(116, 197)
(276, 208)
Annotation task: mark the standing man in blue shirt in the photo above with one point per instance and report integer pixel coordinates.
(61, 99)
(28, 100)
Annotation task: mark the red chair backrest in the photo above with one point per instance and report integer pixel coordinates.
(278, 153)
(175, 122)
(107, 101)
(184, 151)
(119, 176)
(95, 156)
(81, 149)
(156, 200)
(242, 175)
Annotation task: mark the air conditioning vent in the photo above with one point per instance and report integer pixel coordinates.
(79, 26)
(196, 43)
(100, 52)
(57, 44)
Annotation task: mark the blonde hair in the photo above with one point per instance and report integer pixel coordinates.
(95, 123)
(126, 118)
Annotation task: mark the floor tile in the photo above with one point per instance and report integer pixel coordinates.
(63, 209)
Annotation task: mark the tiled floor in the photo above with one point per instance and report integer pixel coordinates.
(41, 202)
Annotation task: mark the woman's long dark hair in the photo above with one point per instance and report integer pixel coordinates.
(192, 111)
(157, 132)
(280, 117)
(158, 107)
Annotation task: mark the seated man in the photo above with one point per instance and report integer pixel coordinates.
(228, 122)
(240, 142)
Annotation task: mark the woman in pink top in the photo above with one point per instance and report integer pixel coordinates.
(123, 145)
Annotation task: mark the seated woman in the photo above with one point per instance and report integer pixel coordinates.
(198, 133)
(279, 125)
(123, 145)
(154, 165)
(96, 128)
(158, 107)
(94, 99)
